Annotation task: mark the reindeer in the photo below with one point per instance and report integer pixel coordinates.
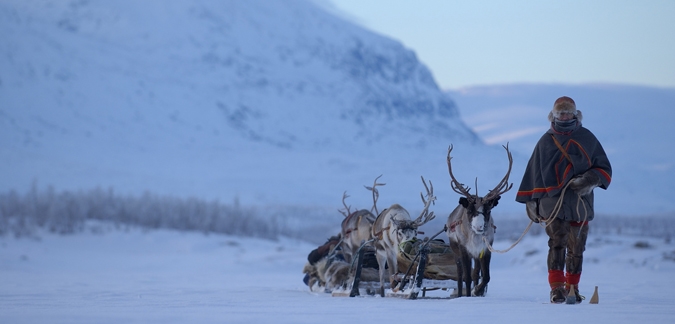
(394, 226)
(356, 227)
(469, 227)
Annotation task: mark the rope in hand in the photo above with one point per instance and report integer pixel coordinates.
(546, 222)
(585, 215)
(558, 206)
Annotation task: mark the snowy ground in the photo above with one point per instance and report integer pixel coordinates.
(135, 276)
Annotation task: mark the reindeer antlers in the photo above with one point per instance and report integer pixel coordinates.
(376, 194)
(426, 216)
(347, 208)
(501, 188)
(456, 186)
(503, 185)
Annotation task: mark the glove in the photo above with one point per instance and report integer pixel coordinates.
(584, 183)
(532, 212)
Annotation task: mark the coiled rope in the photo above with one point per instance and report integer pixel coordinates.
(545, 222)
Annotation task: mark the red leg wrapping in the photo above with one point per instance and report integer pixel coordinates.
(556, 278)
(572, 278)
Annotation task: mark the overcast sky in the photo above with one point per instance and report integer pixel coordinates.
(480, 42)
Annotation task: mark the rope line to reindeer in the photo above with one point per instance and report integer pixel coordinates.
(489, 246)
(546, 222)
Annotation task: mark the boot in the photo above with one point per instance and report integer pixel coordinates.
(556, 280)
(558, 295)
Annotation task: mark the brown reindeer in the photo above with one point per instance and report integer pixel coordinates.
(394, 226)
(356, 227)
(469, 226)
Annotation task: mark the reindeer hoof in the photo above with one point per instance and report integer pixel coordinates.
(395, 285)
(479, 291)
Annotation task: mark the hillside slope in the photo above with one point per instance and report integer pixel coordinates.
(269, 101)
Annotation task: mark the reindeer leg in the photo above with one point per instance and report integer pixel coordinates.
(486, 271)
(357, 276)
(475, 273)
(393, 268)
(463, 274)
(466, 268)
(481, 288)
(381, 263)
(460, 272)
(459, 262)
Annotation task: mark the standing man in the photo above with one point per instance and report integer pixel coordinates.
(568, 162)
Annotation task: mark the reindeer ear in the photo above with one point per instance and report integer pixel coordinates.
(496, 201)
(464, 202)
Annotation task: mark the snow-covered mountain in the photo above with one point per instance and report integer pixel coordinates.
(284, 73)
(265, 102)
(211, 98)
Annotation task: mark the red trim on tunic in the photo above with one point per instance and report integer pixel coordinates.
(604, 174)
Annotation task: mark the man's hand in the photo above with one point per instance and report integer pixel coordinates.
(584, 183)
(532, 212)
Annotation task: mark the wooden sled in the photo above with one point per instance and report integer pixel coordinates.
(429, 265)
(358, 287)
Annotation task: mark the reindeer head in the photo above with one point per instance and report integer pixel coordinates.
(475, 205)
(401, 225)
(478, 206)
(406, 228)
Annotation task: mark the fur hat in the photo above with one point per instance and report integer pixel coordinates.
(564, 104)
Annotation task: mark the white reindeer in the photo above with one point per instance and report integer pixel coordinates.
(469, 226)
(394, 226)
